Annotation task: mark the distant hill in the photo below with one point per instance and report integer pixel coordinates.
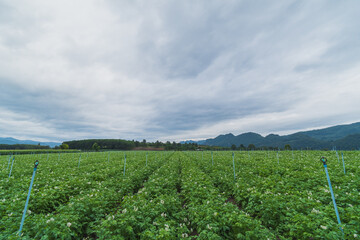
(191, 141)
(12, 141)
(345, 137)
(335, 132)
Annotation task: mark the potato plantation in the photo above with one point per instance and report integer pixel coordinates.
(180, 195)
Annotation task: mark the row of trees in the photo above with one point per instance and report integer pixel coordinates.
(106, 144)
(166, 146)
(118, 144)
(22, 146)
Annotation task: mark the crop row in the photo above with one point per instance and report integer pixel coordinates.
(154, 212)
(211, 215)
(291, 196)
(68, 200)
(176, 195)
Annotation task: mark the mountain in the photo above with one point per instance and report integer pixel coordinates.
(191, 141)
(228, 139)
(348, 142)
(341, 137)
(335, 132)
(12, 141)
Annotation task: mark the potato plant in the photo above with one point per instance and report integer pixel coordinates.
(180, 195)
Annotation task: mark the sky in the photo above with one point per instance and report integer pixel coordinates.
(176, 70)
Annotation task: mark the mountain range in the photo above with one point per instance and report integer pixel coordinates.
(346, 137)
(11, 141)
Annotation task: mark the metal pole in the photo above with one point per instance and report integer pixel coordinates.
(79, 161)
(125, 165)
(233, 156)
(212, 158)
(8, 162)
(12, 164)
(342, 156)
(28, 197)
(324, 160)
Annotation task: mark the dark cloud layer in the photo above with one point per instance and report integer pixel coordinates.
(174, 70)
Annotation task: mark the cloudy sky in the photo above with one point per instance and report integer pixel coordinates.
(175, 70)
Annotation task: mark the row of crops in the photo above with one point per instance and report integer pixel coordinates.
(180, 195)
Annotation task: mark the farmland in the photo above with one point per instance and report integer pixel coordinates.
(180, 195)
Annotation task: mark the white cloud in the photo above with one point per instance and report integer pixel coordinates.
(175, 70)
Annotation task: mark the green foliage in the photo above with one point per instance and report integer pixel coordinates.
(95, 147)
(64, 146)
(180, 195)
(36, 151)
(242, 147)
(118, 144)
(22, 147)
(106, 144)
(251, 147)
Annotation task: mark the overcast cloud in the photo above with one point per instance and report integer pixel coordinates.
(176, 70)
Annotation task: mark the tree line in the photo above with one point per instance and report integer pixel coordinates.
(21, 146)
(119, 144)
